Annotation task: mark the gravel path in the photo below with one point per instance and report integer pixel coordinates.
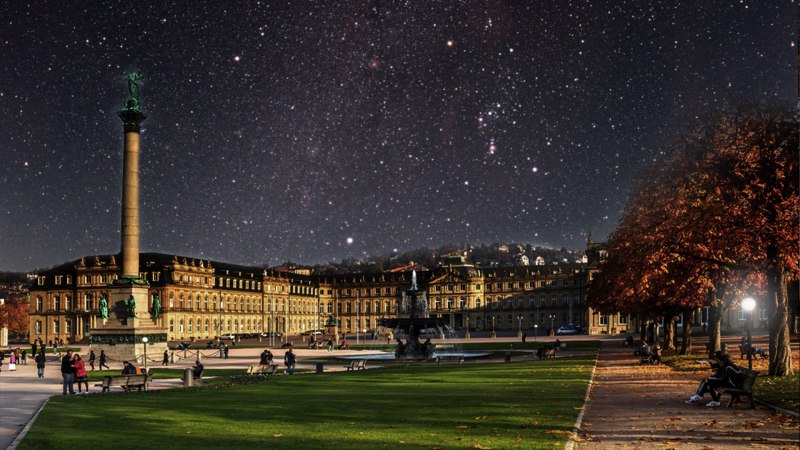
(642, 407)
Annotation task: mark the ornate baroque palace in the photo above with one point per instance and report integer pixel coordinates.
(202, 299)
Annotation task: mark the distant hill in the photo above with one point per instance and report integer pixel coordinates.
(496, 254)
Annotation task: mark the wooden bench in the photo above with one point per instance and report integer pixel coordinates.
(745, 387)
(455, 358)
(743, 351)
(357, 364)
(265, 369)
(125, 381)
(547, 352)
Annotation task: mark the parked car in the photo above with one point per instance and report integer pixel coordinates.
(230, 336)
(314, 332)
(271, 333)
(568, 329)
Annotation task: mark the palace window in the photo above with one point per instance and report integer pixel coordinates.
(603, 319)
(57, 303)
(40, 280)
(67, 302)
(437, 304)
(205, 303)
(171, 326)
(180, 327)
(39, 302)
(87, 301)
(68, 326)
(59, 279)
(56, 326)
(38, 327)
(462, 302)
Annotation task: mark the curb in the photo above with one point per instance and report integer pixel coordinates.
(27, 427)
(778, 409)
(570, 445)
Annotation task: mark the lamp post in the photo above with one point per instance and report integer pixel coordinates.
(552, 324)
(144, 343)
(519, 326)
(749, 304)
(535, 331)
(494, 335)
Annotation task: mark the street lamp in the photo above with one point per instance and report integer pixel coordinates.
(552, 324)
(144, 343)
(519, 325)
(494, 335)
(749, 304)
(535, 331)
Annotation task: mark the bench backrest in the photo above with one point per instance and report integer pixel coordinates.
(361, 363)
(126, 380)
(748, 380)
(250, 370)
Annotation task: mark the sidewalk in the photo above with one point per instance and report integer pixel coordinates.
(642, 407)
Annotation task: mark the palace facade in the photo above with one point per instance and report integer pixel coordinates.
(202, 299)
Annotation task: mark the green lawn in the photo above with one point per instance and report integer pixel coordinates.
(531, 404)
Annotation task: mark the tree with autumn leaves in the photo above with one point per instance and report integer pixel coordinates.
(715, 222)
(14, 315)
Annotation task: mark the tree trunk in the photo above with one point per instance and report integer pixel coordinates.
(686, 345)
(780, 354)
(714, 322)
(794, 306)
(669, 332)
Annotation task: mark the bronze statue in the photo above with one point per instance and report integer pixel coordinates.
(103, 306)
(156, 307)
(133, 89)
(131, 306)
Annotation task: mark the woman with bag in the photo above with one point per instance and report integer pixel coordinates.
(80, 373)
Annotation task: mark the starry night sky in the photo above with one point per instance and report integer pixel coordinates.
(315, 131)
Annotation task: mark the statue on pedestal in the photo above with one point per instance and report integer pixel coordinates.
(103, 306)
(131, 303)
(156, 307)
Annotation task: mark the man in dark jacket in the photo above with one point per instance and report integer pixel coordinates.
(40, 362)
(67, 373)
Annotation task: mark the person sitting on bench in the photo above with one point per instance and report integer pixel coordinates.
(128, 369)
(726, 374)
(752, 350)
(197, 370)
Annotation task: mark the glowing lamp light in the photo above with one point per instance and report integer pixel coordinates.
(748, 304)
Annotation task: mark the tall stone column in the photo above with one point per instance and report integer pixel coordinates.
(128, 317)
(131, 118)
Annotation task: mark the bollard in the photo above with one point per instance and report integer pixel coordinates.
(188, 377)
(199, 356)
(172, 357)
(319, 367)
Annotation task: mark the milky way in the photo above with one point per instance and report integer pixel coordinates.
(317, 131)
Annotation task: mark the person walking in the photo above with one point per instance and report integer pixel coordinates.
(67, 374)
(40, 362)
(165, 361)
(103, 360)
(524, 336)
(225, 351)
(92, 359)
(34, 347)
(80, 373)
(289, 361)
(330, 345)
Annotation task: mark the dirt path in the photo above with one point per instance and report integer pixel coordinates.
(642, 407)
